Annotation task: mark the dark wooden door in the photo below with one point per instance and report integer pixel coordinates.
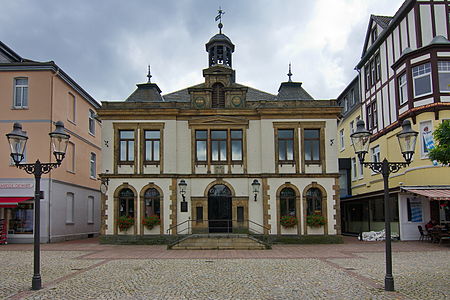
(219, 209)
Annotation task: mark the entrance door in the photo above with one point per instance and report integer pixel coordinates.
(219, 209)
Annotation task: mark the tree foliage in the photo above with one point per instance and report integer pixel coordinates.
(441, 151)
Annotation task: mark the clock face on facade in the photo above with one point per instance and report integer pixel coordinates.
(236, 101)
(199, 102)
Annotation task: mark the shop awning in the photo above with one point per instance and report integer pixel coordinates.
(433, 194)
(12, 201)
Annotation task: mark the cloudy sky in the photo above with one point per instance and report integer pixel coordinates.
(106, 45)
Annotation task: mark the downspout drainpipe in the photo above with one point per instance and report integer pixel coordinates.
(50, 158)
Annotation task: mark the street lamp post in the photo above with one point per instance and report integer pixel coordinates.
(17, 140)
(407, 141)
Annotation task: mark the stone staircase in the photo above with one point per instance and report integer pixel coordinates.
(219, 241)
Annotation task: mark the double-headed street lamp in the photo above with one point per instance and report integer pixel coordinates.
(17, 140)
(407, 140)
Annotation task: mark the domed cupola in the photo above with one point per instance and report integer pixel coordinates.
(220, 47)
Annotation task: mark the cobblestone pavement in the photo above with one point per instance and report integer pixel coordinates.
(87, 270)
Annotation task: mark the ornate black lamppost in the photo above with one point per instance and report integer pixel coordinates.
(407, 140)
(17, 140)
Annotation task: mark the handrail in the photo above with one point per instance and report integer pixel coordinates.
(241, 222)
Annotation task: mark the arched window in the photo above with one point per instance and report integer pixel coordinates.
(314, 201)
(151, 202)
(126, 203)
(218, 95)
(287, 202)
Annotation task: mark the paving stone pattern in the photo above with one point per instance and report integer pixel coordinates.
(353, 270)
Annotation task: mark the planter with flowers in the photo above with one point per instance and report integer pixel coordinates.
(288, 221)
(124, 223)
(151, 221)
(315, 220)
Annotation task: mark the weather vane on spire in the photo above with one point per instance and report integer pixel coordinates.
(289, 74)
(149, 75)
(219, 18)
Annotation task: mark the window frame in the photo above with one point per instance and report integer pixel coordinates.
(287, 201)
(419, 76)
(70, 208)
(127, 141)
(220, 141)
(315, 139)
(127, 200)
(93, 166)
(154, 160)
(372, 117)
(311, 209)
(228, 140)
(91, 122)
(286, 141)
(72, 114)
(447, 63)
(342, 139)
(354, 170)
(152, 199)
(71, 159)
(402, 87)
(23, 88)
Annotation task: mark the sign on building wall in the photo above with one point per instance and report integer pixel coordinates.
(416, 210)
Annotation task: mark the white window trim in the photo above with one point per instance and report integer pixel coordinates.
(361, 170)
(91, 116)
(400, 86)
(354, 169)
(90, 209)
(70, 209)
(372, 155)
(93, 162)
(342, 139)
(420, 76)
(74, 121)
(14, 93)
(447, 71)
(71, 163)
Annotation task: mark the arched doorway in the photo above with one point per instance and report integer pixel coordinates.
(219, 209)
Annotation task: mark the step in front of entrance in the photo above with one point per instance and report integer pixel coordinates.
(219, 242)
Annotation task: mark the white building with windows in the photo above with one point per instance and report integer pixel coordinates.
(220, 157)
(404, 73)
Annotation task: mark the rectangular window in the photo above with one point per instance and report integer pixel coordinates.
(285, 145)
(311, 138)
(70, 157)
(90, 209)
(199, 211)
(69, 207)
(372, 115)
(236, 145)
(201, 140)
(422, 80)
(20, 92)
(354, 174)
(352, 129)
(367, 74)
(375, 152)
(22, 218)
(341, 138)
(92, 166)
(426, 138)
(378, 67)
(374, 34)
(126, 146)
(373, 73)
(345, 103)
(352, 97)
(91, 122)
(152, 146)
(218, 145)
(444, 76)
(402, 89)
(71, 107)
(361, 169)
(240, 214)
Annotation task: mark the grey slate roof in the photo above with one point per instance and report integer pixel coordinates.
(383, 21)
(292, 91)
(146, 92)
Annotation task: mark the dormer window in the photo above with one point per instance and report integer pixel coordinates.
(218, 96)
(374, 34)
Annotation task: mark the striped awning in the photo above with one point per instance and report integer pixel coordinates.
(8, 202)
(433, 194)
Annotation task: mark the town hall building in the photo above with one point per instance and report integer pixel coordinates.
(220, 157)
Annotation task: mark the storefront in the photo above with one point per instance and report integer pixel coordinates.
(17, 209)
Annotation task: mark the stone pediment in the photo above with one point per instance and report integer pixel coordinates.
(218, 120)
